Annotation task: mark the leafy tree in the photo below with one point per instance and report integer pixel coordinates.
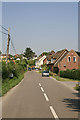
(45, 53)
(31, 62)
(0, 52)
(29, 54)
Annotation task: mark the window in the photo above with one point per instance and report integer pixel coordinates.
(69, 59)
(74, 58)
(64, 65)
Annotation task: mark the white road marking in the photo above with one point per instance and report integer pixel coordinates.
(40, 84)
(42, 89)
(54, 113)
(46, 97)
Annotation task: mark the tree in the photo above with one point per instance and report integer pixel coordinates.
(0, 52)
(45, 53)
(29, 54)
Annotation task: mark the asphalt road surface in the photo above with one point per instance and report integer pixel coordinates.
(40, 97)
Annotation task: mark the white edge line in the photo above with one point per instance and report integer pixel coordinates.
(46, 97)
(54, 113)
(42, 89)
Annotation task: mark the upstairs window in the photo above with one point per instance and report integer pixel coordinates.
(69, 59)
(74, 58)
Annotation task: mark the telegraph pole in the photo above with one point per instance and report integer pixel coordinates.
(8, 45)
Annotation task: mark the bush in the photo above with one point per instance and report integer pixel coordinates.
(16, 69)
(77, 87)
(72, 74)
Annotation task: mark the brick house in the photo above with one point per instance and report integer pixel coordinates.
(55, 59)
(70, 61)
(48, 58)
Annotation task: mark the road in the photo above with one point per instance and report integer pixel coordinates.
(40, 97)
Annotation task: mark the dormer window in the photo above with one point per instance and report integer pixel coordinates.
(69, 59)
(74, 58)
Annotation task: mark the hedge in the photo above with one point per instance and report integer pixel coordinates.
(72, 74)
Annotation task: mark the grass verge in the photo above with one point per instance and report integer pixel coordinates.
(10, 83)
(63, 79)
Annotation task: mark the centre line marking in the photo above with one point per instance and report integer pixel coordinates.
(42, 89)
(54, 113)
(46, 97)
(40, 84)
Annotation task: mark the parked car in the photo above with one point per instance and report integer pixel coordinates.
(36, 69)
(29, 69)
(45, 73)
(33, 68)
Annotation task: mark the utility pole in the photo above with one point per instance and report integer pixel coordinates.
(8, 45)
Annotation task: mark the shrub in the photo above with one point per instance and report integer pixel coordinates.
(72, 74)
(16, 69)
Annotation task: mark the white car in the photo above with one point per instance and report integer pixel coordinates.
(45, 73)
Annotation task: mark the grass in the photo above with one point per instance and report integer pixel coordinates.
(63, 79)
(10, 83)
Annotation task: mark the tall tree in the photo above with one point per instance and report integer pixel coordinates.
(29, 54)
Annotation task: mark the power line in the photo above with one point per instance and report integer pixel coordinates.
(13, 46)
(4, 28)
(3, 32)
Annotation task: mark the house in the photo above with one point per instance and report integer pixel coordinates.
(39, 61)
(70, 61)
(3, 57)
(48, 58)
(53, 60)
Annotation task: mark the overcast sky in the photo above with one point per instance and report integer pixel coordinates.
(41, 26)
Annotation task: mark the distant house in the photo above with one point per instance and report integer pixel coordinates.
(35, 57)
(3, 57)
(17, 55)
(70, 61)
(39, 61)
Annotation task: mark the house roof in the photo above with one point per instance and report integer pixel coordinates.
(78, 53)
(58, 56)
(50, 55)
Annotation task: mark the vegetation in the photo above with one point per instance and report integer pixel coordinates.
(29, 54)
(0, 52)
(10, 83)
(45, 67)
(18, 68)
(62, 79)
(45, 53)
(72, 74)
(31, 62)
(77, 87)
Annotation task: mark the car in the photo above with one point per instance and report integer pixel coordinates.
(36, 69)
(33, 68)
(45, 73)
(29, 69)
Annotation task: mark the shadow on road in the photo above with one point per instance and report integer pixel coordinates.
(73, 104)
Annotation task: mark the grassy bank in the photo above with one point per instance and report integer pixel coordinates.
(63, 79)
(10, 83)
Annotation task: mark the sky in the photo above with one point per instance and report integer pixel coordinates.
(42, 26)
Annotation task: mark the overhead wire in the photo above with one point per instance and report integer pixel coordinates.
(3, 32)
(4, 28)
(13, 46)
(10, 38)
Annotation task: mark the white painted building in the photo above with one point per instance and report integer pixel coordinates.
(39, 61)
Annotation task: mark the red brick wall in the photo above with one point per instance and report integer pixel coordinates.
(45, 61)
(69, 65)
